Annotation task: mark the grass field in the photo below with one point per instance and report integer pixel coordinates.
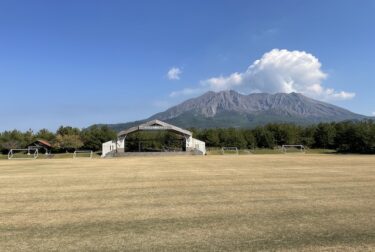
(218, 151)
(210, 151)
(218, 203)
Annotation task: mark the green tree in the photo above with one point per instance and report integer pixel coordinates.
(324, 136)
(250, 139)
(264, 138)
(67, 131)
(307, 136)
(45, 134)
(211, 137)
(72, 142)
(95, 136)
(231, 138)
(68, 142)
(285, 133)
(12, 140)
(356, 137)
(28, 137)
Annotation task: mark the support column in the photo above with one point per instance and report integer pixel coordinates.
(125, 143)
(120, 144)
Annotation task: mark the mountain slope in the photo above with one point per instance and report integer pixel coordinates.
(232, 109)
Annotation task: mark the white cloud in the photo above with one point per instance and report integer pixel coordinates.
(373, 113)
(223, 83)
(342, 95)
(174, 73)
(280, 71)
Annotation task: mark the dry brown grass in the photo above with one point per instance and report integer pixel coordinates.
(221, 203)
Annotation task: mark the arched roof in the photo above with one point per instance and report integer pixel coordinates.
(155, 125)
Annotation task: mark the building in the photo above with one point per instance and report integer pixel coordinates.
(190, 145)
(41, 146)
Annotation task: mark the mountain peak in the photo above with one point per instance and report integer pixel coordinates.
(229, 108)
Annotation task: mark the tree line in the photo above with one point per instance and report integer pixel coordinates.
(64, 139)
(349, 136)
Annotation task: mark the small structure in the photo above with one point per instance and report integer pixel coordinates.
(296, 147)
(231, 150)
(41, 146)
(23, 154)
(190, 145)
(83, 154)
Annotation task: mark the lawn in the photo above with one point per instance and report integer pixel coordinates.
(289, 202)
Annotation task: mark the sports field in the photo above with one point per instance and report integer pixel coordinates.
(291, 202)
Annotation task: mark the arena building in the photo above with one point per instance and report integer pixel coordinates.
(133, 141)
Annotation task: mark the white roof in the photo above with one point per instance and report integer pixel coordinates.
(155, 125)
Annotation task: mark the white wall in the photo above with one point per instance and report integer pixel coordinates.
(107, 147)
(192, 143)
(112, 145)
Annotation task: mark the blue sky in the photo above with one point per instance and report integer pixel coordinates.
(83, 62)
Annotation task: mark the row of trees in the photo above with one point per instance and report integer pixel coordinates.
(64, 139)
(354, 137)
